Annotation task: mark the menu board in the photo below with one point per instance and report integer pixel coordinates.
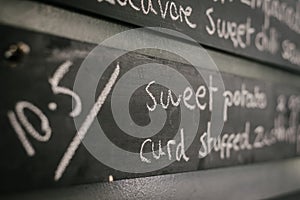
(267, 31)
(50, 136)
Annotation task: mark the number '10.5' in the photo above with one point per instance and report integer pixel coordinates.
(20, 122)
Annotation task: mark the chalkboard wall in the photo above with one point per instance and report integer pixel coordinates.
(263, 30)
(262, 129)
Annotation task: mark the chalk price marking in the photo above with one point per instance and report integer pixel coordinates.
(18, 118)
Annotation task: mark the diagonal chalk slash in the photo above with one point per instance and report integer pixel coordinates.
(69, 154)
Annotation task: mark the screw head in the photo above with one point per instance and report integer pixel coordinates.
(16, 52)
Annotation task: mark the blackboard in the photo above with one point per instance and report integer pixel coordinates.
(265, 127)
(267, 31)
